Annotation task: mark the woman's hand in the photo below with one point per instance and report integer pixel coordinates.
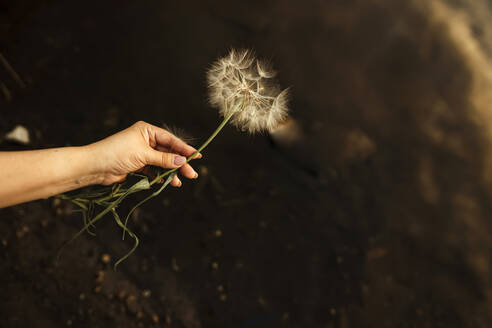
(139, 146)
(35, 174)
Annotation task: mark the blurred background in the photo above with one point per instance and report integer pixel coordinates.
(376, 214)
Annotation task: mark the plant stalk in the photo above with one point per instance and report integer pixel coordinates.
(202, 147)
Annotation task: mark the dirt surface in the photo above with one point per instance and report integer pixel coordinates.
(378, 215)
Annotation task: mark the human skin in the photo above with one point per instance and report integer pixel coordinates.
(36, 174)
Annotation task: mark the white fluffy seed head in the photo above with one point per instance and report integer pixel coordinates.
(242, 86)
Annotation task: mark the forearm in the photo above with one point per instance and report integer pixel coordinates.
(31, 175)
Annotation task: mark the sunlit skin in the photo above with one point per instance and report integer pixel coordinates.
(36, 174)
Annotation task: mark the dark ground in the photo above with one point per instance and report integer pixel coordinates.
(379, 217)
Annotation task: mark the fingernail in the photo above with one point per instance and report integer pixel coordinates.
(195, 176)
(179, 160)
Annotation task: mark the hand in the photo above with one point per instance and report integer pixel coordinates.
(137, 147)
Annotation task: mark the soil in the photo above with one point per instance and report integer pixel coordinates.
(377, 216)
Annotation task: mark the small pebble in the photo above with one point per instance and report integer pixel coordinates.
(22, 231)
(82, 296)
(223, 297)
(106, 258)
(218, 233)
(220, 288)
(136, 214)
(4, 243)
(18, 135)
(203, 170)
(131, 303)
(376, 253)
(155, 318)
(146, 293)
(215, 265)
(56, 202)
(100, 276)
(174, 265)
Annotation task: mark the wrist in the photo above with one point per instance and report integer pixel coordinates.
(92, 171)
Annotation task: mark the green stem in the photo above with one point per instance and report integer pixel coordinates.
(202, 147)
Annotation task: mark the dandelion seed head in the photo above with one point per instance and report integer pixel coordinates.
(244, 87)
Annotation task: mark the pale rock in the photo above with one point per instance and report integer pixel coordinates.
(19, 135)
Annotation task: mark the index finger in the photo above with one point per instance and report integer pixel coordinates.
(172, 143)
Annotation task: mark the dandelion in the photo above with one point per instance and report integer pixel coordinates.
(246, 94)
(243, 89)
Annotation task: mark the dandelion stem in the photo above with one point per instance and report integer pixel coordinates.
(202, 147)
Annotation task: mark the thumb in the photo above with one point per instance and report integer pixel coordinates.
(165, 160)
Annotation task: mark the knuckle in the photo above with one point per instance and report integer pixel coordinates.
(167, 160)
(139, 124)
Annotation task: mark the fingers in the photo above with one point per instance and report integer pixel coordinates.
(164, 160)
(170, 161)
(165, 140)
(188, 172)
(169, 150)
(173, 144)
(176, 182)
(148, 171)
